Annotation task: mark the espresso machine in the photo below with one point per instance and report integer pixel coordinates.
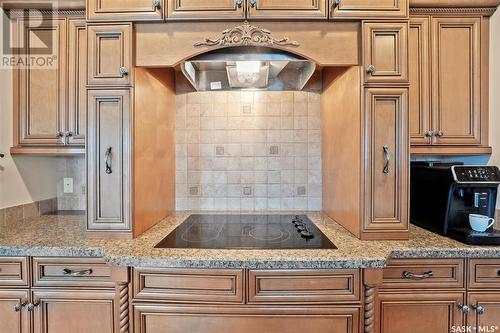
(444, 194)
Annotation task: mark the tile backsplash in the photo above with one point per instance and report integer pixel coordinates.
(72, 167)
(248, 151)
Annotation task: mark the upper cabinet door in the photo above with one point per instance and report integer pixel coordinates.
(125, 10)
(288, 9)
(41, 90)
(456, 80)
(386, 160)
(109, 54)
(385, 55)
(77, 81)
(206, 9)
(355, 9)
(419, 70)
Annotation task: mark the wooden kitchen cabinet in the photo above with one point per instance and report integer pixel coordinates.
(49, 102)
(109, 159)
(110, 55)
(420, 311)
(62, 311)
(385, 52)
(125, 10)
(13, 315)
(291, 9)
(446, 84)
(386, 162)
(419, 76)
(42, 91)
(359, 9)
(485, 310)
(155, 318)
(456, 80)
(206, 10)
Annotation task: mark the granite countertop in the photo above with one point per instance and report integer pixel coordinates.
(65, 236)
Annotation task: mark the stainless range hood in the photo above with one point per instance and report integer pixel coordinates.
(248, 68)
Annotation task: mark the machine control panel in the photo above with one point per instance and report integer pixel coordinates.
(476, 174)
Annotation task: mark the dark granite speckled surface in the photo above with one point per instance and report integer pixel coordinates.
(66, 236)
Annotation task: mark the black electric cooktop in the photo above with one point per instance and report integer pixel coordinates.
(247, 232)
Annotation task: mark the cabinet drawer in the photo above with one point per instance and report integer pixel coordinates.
(424, 273)
(186, 285)
(75, 272)
(303, 286)
(484, 273)
(119, 10)
(13, 271)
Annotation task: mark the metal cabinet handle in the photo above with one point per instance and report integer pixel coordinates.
(123, 71)
(498, 273)
(387, 154)
(2, 155)
(239, 3)
(156, 5)
(465, 309)
(19, 305)
(413, 276)
(439, 134)
(253, 3)
(60, 135)
(68, 135)
(31, 306)
(371, 69)
(83, 272)
(429, 134)
(335, 3)
(478, 308)
(107, 160)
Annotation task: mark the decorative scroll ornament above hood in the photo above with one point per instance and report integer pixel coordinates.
(244, 35)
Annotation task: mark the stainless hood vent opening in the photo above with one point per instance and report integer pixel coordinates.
(248, 68)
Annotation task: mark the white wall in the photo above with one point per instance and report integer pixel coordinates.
(22, 179)
(495, 90)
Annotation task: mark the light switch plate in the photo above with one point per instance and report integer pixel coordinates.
(68, 185)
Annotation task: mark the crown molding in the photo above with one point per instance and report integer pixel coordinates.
(472, 11)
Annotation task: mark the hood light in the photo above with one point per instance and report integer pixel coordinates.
(248, 66)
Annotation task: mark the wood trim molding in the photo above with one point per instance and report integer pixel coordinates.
(454, 3)
(483, 11)
(20, 13)
(123, 297)
(47, 151)
(43, 4)
(372, 278)
(450, 150)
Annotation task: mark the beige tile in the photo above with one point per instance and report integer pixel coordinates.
(13, 214)
(31, 210)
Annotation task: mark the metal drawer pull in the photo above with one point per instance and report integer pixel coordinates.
(439, 134)
(465, 309)
(335, 3)
(156, 5)
(478, 308)
(31, 306)
(239, 3)
(253, 3)
(498, 273)
(107, 160)
(19, 305)
(68, 271)
(387, 154)
(412, 276)
(371, 69)
(123, 71)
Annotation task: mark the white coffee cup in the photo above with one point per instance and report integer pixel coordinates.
(480, 223)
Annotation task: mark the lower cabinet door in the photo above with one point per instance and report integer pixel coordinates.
(73, 311)
(485, 311)
(14, 318)
(109, 159)
(152, 318)
(417, 312)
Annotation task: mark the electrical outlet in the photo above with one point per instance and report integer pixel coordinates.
(68, 185)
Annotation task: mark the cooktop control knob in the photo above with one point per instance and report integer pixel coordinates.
(306, 234)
